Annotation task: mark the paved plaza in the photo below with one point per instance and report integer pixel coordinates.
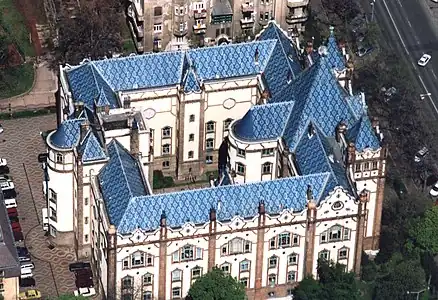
(20, 144)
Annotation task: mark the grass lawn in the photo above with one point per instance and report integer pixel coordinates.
(17, 80)
(129, 47)
(14, 25)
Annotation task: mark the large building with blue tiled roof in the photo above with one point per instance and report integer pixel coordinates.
(301, 167)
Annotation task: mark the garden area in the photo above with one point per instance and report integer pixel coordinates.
(16, 74)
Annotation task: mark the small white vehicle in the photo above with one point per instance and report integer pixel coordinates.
(26, 273)
(85, 292)
(423, 152)
(10, 203)
(424, 60)
(1, 128)
(27, 265)
(434, 190)
(6, 185)
(3, 162)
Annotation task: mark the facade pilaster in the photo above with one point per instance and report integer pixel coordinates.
(112, 263)
(260, 251)
(310, 233)
(380, 194)
(212, 240)
(162, 258)
(360, 231)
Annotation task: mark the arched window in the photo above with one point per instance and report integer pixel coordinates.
(127, 286)
(324, 254)
(226, 268)
(292, 259)
(176, 275)
(267, 168)
(244, 265)
(191, 154)
(196, 272)
(137, 259)
(273, 262)
(59, 158)
(158, 11)
(343, 253)
(227, 123)
(209, 143)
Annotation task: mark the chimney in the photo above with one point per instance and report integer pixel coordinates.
(83, 130)
(256, 56)
(163, 219)
(363, 196)
(212, 214)
(309, 47)
(309, 193)
(310, 130)
(79, 106)
(127, 102)
(106, 109)
(375, 123)
(351, 153)
(341, 129)
(134, 136)
(262, 209)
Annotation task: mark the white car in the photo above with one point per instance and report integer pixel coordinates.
(26, 273)
(85, 292)
(424, 60)
(1, 128)
(421, 154)
(6, 185)
(3, 162)
(434, 190)
(27, 265)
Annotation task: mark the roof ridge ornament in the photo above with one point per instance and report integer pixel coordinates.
(332, 29)
(322, 51)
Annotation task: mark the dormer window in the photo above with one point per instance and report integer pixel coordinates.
(187, 253)
(335, 234)
(236, 246)
(310, 130)
(284, 240)
(137, 259)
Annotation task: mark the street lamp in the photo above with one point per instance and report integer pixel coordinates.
(372, 10)
(423, 290)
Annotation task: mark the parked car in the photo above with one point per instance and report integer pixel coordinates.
(1, 128)
(422, 153)
(6, 185)
(84, 282)
(3, 162)
(27, 282)
(422, 62)
(85, 292)
(16, 227)
(9, 194)
(18, 236)
(27, 265)
(26, 273)
(23, 252)
(10, 203)
(4, 170)
(73, 267)
(434, 190)
(12, 212)
(14, 219)
(30, 294)
(362, 51)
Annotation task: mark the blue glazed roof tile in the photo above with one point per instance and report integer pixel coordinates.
(193, 206)
(357, 105)
(67, 135)
(120, 180)
(102, 100)
(263, 122)
(363, 135)
(334, 55)
(191, 83)
(234, 60)
(142, 71)
(91, 148)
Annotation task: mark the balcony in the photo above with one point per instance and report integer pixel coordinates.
(247, 7)
(139, 11)
(292, 19)
(297, 3)
(199, 28)
(246, 23)
(200, 14)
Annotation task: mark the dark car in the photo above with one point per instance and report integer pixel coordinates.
(9, 194)
(16, 227)
(14, 219)
(12, 212)
(22, 251)
(79, 266)
(27, 282)
(18, 236)
(362, 51)
(4, 170)
(84, 283)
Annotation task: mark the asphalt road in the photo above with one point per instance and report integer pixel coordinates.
(409, 28)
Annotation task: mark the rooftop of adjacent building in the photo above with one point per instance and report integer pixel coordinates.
(303, 110)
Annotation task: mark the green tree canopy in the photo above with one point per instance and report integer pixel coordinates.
(403, 275)
(216, 285)
(423, 233)
(334, 283)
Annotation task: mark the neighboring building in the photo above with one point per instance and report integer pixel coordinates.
(169, 25)
(9, 264)
(301, 167)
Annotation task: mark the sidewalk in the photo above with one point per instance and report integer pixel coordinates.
(42, 93)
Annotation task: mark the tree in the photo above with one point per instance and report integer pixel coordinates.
(93, 32)
(69, 297)
(346, 10)
(423, 233)
(334, 283)
(216, 285)
(404, 275)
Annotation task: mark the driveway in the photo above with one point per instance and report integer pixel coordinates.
(20, 144)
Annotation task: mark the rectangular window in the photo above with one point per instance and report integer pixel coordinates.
(86, 220)
(236, 246)
(272, 243)
(166, 164)
(244, 282)
(323, 237)
(266, 16)
(166, 132)
(53, 214)
(273, 262)
(295, 240)
(366, 166)
(272, 278)
(125, 263)
(86, 201)
(158, 28)
(190, 154)
(225, 269)
(227, 123)
(187, 253)
(247, 247)
(191, 137)
(284, 240)
(165, 149)
(149, 260)
(375, 165)
(292, 259)
(346, 234)
(209, 159)
(241, 152)
(176, 275)
(137, 259)
(199, 253)
(209, 144)
(196, 273)
(192, 118)
(224, 250)
(343, 254)
(240, 169)
(175, 257)
(268, 152)
(358, 168)
(267, 168)
(324, 255)
(176, 292)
